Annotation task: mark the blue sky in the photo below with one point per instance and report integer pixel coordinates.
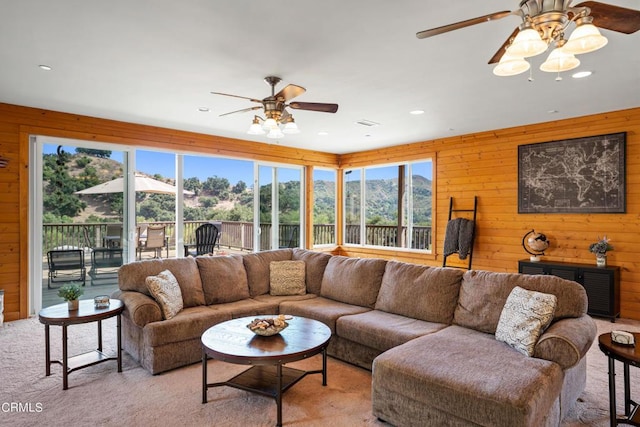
(155, 162)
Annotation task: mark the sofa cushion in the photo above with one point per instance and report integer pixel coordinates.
(525, 315)
(353, 280)
(165, 290)
(287, 278)
(420, 292)
(257, 268)
(381, 330)
(189, 324)
(131, 277)
(471, 376)
(324, 310)
(316, 263)
(223, 278)
(483, 294)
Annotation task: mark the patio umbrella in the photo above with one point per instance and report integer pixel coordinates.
(142, 183)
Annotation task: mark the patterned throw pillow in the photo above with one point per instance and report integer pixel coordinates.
(287, 278)
(526, 314)
(165, 289)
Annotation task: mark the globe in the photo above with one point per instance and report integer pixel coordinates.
(535, 244)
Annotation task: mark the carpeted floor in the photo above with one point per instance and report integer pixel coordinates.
(98, 395)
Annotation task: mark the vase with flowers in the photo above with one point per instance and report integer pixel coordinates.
(600, 249)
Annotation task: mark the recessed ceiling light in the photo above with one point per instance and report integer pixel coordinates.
(552, 111)
(323, 133)
(45, 67)
(203, 109)
(416, 112)
(581, 74)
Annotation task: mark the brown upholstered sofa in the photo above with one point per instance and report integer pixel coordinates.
(426, 333)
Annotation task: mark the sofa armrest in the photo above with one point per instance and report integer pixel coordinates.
(140, 308)
(566, 341)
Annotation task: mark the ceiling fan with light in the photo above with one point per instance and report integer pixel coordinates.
(275, 109)
(545, 22)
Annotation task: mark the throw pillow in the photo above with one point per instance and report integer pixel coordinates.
(166, 291)
(526, 314)
(287, 278)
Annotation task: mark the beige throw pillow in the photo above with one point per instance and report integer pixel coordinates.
(287, 278)
(165, 289)
(526, 314)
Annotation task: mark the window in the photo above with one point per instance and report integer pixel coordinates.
(389, 206)
(324, 207)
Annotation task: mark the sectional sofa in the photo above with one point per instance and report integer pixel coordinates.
(426, 333)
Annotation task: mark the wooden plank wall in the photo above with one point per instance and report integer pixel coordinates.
(485, 165)
(482, 164)
(17, 123)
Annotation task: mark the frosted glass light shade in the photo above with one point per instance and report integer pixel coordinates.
(290, 128)
(527, 43)
(269, 124)
(275, 133)
(584, 39)
(559, 60)
(255, 129)
(510, 66)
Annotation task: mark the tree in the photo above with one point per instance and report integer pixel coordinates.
(104, 154)
(217, 186)
(58, 197)
(239, 188)
(193, 184)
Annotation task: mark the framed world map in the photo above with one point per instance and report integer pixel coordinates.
(581, 175)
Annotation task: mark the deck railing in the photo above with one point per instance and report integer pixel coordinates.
(236, 235)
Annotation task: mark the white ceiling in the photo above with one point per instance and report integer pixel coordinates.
(155, 62)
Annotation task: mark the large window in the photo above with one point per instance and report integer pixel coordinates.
(324, 207)
(389, 206)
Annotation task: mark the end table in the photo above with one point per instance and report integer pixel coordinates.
(629, 356)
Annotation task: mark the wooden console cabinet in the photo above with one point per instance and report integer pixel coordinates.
(601, 283)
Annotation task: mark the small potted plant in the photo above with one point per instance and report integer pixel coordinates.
(71, 293)
(600, 248)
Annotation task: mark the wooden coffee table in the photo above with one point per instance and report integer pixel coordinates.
(233, 342)
(59, 315)
(629, 356)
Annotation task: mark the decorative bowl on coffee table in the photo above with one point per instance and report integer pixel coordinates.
(268, 326)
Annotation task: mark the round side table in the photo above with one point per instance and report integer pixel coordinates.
(629, 356)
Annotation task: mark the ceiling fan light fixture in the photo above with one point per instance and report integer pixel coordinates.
(256, 128)
(511, 66)
(559, 60)
(527, 43)
(585, 38)
(270, 124)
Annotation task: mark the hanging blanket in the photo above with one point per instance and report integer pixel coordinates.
(458, 237)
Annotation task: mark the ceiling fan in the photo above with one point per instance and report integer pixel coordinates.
(275, 109)
(549, 19)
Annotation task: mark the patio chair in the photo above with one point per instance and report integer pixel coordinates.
(206, 240)
(105, 258)
(113, 236)
(156, 240)
(291, 240)
(66, 266)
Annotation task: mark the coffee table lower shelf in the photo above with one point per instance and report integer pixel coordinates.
(262, 379)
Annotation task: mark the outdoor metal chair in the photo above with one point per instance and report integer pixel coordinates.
(66, 266)
(105, 258)
(156, 240)
(206, 240)
(113, 236)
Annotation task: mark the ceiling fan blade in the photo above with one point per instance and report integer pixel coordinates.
(462, 24)
(290, 92)
(314, 106)
(244, 110)
(237, 96)
(614, 18)
(503, 49)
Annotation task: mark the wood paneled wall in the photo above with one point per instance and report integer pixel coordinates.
(485, 165)
(482, 164)
(17, 123)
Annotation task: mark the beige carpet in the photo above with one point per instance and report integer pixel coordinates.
(98, 395)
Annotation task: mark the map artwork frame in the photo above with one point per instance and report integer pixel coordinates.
(578, 175)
